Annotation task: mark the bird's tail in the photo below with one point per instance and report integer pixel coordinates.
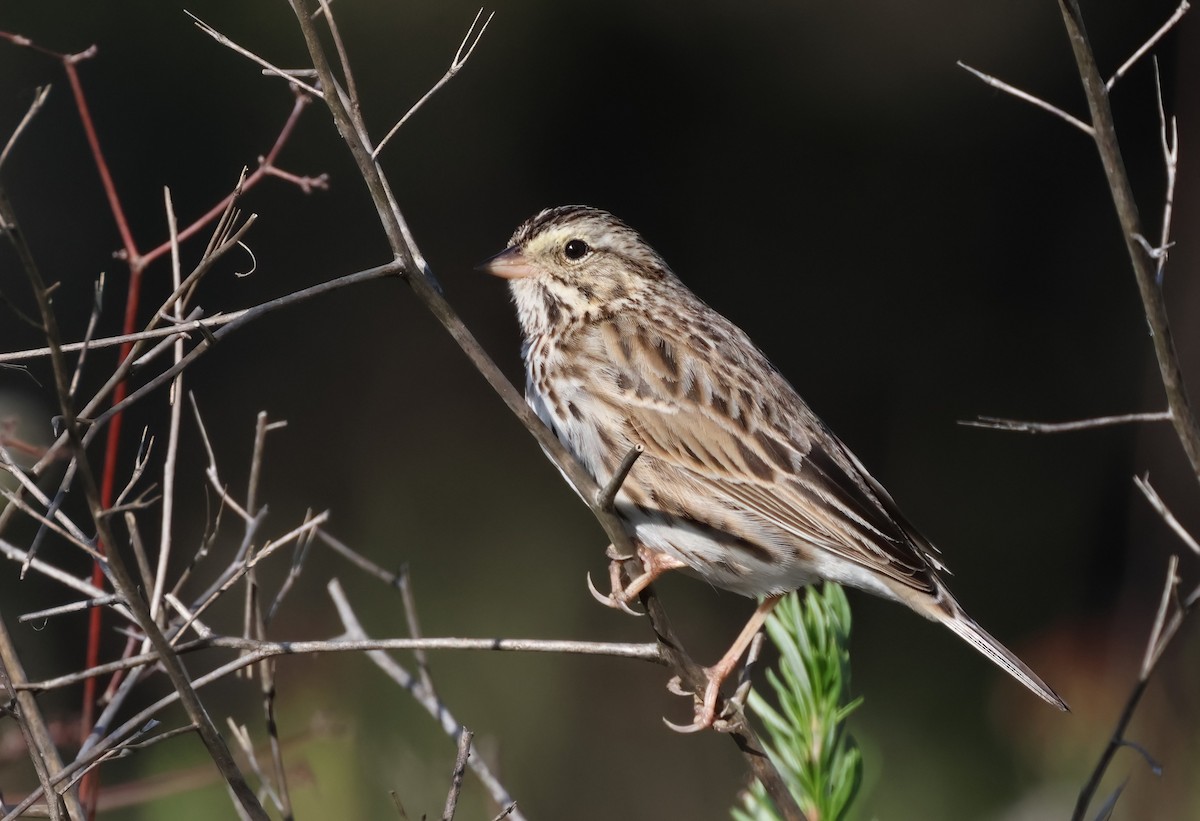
(966, 627)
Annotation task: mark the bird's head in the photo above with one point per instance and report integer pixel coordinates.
(575, 263)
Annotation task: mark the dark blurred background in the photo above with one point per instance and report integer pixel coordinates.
(910, 247)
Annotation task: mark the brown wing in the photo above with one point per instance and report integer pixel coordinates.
(710, 407)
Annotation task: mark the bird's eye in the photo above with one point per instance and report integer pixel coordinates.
(576, 249)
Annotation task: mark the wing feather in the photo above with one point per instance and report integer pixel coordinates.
(756, 447)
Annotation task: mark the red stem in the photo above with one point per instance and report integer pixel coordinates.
(110, 190)
(89, 787)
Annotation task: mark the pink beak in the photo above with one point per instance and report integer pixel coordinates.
(508, 264)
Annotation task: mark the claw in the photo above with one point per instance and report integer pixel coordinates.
(706, 708)
(612, 600)
(695, 727)
(596, 594)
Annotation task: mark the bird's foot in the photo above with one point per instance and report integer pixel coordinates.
(706, 714)
(654, 564)
(706, 702)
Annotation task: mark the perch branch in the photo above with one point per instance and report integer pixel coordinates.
(1024, 426)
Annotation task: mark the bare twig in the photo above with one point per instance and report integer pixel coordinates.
(242, 735)
(63, 609)
(175, 400)
(456, 777)
(1169, 137)
(67, 533)
(39, 99)
(414, 628)
(283, 794)
(207, 323)
(1184, 420)
(123, 581)
(244, 318)
(240, 568)
(257, 649)
(31, 489)
(428, 701)
(360, 561)
(1149, 44)
(298, 557)
(1029, 98)
(417, 275)
(1163, 630)
(273, 69)
(604, 499)
(465, 49)
(1023, 426)
(16, 554)
(344, 58)
(1143, 484)
(43, 752)
(97, 308)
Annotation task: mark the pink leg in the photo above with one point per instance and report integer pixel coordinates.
(706, 710)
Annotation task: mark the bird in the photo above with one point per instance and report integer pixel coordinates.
(738, 482)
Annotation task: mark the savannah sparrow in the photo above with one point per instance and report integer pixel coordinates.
(739, 481)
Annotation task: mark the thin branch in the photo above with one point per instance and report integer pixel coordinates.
(168, 333)
(30, 487)
(242, 736)
(436, 709)
(460, 770)
(63, 609)
(69, 535)
(251, 562)
(465, 49)
(93, 320)
(39, 99)
(225, 41)
(1161, 633)
(16, 554)
(298, 556)
(115, 383)
(344, 59)
(414, 629)
(1143, 484)
(1149, 44)
(425, 288)
(1184, 420)
(266, 167)
(283, 794)
(175, 401)
(604, 499)
(1029, 98)
(1158, 637)
(360, 561)
(122, 580)
(1023, 426)
(1169, 137)
(244, 317)
(43, 752)
(258, 649)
